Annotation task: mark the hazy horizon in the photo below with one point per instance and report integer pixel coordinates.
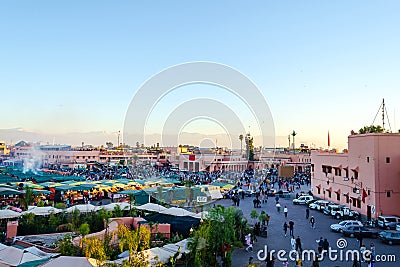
(320, 66)
(98, 138)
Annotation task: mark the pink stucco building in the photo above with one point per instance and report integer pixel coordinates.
(367, 178)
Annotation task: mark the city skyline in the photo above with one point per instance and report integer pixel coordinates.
(69, 71)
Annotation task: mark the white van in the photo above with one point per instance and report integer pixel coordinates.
(302, 200)
(388, 222)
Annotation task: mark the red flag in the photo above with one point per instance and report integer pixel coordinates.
(364, 195)
(329, 140)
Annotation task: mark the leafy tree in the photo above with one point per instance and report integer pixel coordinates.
(54, 221)
(254, 214)
(66, 246)
(212, 238)
(262, 217)
(174, 258)
(102, 218)
(131, 203)
(94, 248)
(117, 211)
(60, 205)
(240, 224)
(27, 198)
(84, 229)
(371, 129)
(294, 135)
(75, 219)
(135, 241)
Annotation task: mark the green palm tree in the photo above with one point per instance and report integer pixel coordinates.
(27, 198)
(294, 144)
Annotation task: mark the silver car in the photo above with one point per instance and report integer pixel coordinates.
(338, 227)
(318, 205)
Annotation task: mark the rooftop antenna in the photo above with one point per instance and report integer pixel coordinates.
(384, 111)
(383, 114)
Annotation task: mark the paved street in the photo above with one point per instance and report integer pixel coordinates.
(276, 239)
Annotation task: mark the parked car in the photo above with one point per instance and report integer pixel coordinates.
(302, 200)
(318, 205)
(389, 236)
(388, 222)
(354, 230)
(311, 201)
(283, 194)
(338, 227)
(328, 209)
(398, 227)
(340, 212)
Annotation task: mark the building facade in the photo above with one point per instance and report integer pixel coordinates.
(366, 178)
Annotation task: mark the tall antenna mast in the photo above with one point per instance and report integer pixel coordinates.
(383, 114)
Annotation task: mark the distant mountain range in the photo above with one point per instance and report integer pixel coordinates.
(98, 138)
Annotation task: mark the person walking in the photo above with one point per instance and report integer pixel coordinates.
(278, 207)
(285, 211)
(249, 245)
(326, 245)
(307, 213)
(267, 218)
(285, 227)
(312, 222)
(356, 262)
(315, 262)
(291, 228)
(373, 252)
(293, 243)
(298, 244)
(320, 245)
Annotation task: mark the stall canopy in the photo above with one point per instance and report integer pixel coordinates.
(6, 191)
(82, 208)
(70, 261)
(177, 212)
(151, 207)
(9, 214)
(42, 211)
(122, 206)
(11, 256)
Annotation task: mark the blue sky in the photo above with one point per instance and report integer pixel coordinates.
(74, 66)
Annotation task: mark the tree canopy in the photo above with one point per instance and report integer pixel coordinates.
(371, 129)
(222, 229)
